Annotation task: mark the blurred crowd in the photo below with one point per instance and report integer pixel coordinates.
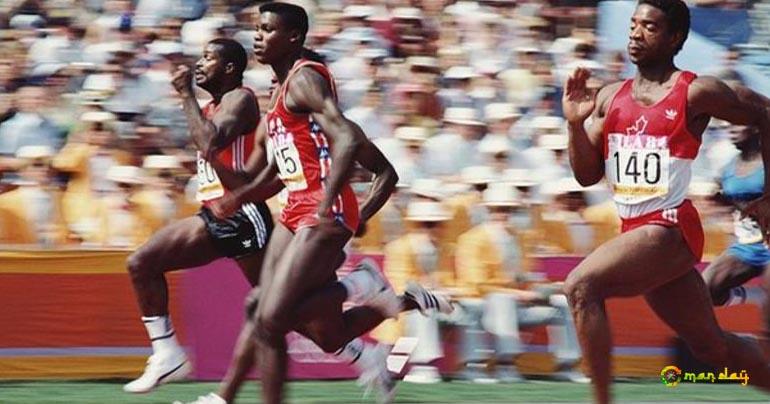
(462, 96)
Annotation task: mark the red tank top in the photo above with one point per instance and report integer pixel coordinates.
(648, 151)
(234, 156)
(301, 151)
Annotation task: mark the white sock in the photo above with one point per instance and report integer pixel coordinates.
(746, 295)
(357, 284)
(161, 332)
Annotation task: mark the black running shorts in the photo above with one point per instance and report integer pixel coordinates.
(244, 233)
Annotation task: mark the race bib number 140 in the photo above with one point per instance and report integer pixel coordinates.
(637, 170)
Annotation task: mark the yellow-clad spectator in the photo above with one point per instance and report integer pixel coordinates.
(416, 257)
(87, 157)
(434, 190)
(477, 178)
(163, 199)
(32, 213)
(489, 267)
(121, 222)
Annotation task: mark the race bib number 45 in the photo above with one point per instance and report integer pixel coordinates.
(286, 157)
(637, 167)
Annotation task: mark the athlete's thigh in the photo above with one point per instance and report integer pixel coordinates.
(277, 247)
(251, 266)
(310, 265)
(635, 262)
(728, 271)
(684, 304)
(182, 244)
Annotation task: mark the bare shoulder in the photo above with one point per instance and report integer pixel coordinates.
(706, 86)
(605, 95)
(239, 97)
(307, 79)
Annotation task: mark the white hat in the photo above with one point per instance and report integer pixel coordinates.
(550, 123)
(423, 61)
(699, 187)
(426, 211)
(429, 188)
(562, 186)
(553, 142)
(494, 144)
(35, 152)
(407, 13)
(358, 11)
(97, 116)
(497, 111)
(478, 175)
(460, 73)
(161, 162)
(411, 134)
(103, 83)
(462, 116)
(519, 177)
(125, 174)
(165, 48)
(501, 194)
(46, 69)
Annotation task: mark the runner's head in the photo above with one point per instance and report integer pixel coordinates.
(281, 31)
(223, 62)
(745, 138)
(658, 31)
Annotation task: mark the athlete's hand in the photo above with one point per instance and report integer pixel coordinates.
(759, 210)
(225, 206)
(578, 101)
(181, 79)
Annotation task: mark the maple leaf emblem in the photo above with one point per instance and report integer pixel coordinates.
(639, 127)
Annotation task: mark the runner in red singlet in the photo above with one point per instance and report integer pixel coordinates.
(313, 149)
(223, 131)
(644, 134)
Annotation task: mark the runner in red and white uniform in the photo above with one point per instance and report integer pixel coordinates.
(313, 149)
(644, 134)
(302, 154)
(224, 129)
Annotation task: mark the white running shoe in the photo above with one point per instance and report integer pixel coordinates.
(375, 375)
(381, 295)
(211, 398)
(161, 369)
(426, 300)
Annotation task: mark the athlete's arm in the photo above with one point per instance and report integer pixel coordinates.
(585, 146)
(238, 114)
(311, 93)
(711, 97)
(385, 177)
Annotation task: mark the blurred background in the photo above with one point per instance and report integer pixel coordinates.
(462, 96)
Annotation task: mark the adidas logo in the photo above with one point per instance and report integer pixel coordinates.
(671, 114)
(246, 243)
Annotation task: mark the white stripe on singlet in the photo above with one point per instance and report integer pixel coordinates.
(257, 221)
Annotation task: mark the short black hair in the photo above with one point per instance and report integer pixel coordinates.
(232, 52)
(295, 17)
(677, 16)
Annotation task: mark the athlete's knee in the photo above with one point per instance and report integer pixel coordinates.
(580, 290)
(252, 302)
(270, 328)
(139, 263)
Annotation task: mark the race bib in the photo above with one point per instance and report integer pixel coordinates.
(746, 229)
(637, 167)
(209, 186)
(286, 157)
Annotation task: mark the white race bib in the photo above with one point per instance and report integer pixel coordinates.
(637, 167)
(746, 229)
(287, 157)
(209, 186)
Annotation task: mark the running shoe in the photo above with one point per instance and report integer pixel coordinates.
(161, 369)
